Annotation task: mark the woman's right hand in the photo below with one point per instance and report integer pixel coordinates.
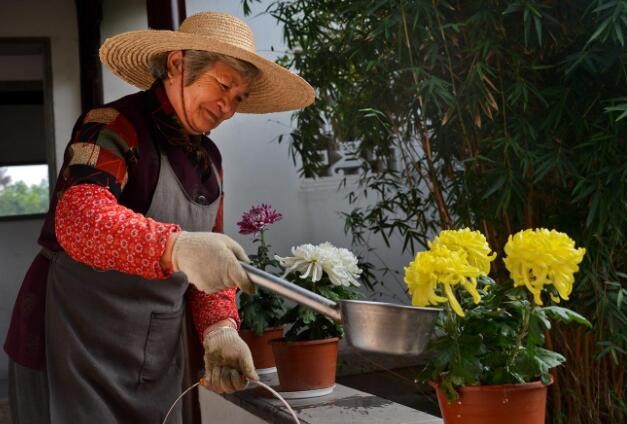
(210, 261)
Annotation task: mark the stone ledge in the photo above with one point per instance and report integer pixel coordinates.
(344, 406)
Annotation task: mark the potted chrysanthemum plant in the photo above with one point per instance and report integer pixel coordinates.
(487, 359)
(306, 357)
(261, 313)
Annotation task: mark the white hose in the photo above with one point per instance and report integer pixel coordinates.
(177, 399)
(259, 383)
(279, 397)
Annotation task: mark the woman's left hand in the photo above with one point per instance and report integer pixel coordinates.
(228, 361)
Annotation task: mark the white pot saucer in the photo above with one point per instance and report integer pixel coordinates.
(264, 371)
(303, 394)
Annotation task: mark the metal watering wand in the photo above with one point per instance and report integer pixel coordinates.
(259, 383)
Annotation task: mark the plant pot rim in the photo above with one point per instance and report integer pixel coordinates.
(305, 342)
(498, 387)
(280, 327)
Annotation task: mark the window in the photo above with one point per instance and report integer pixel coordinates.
(344, 160)
(26, 141)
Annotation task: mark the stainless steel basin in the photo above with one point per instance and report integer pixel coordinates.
(371, 326)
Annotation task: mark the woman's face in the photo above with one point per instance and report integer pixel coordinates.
(208, 101)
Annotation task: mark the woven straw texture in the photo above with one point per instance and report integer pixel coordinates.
(275, 89)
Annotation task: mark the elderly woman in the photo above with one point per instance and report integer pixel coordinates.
(132, 239)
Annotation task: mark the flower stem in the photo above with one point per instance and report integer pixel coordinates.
(524, 329)
(454, 331)
(262, 240)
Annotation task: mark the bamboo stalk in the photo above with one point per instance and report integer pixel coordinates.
(605, 394)
(529, 204)
(556, 400)
(573, 384)
(587, 365)
(436, 191)
(619, 385)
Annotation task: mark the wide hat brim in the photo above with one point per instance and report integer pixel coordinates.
(275, 89)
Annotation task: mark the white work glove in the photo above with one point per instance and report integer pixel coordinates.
(210, 261)
(228, 361)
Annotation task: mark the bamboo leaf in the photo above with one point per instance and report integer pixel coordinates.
(598, 31)
(619, 34)
(538, 24)
(594, 205)
(621, 116)
(498, 184)
(604, 6)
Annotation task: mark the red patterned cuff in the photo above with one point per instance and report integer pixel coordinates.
(207, 309)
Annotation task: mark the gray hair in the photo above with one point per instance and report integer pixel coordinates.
(199, 61)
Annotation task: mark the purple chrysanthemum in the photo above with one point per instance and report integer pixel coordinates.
(257, 219)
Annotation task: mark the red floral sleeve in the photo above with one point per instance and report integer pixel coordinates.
(94, 229)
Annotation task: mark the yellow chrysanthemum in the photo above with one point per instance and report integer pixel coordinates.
(440, 265)
(472, 242)
(540, 257)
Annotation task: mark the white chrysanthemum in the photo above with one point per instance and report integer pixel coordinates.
(344, 270)
(306, 260)
(312, 261)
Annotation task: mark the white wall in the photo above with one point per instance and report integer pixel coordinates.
(56, 20)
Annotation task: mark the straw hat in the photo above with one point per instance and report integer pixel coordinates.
(275, 88)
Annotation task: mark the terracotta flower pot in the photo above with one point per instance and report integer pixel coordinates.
(260, 347)
(306, 365)
(503, 403)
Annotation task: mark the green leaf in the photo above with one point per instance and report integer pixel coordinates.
(540, 315)
(566, 315)
(546, 378)
(446, 385)
(527, 366)
(307, 315)
(470, 345)
(547, 359)
(538, 323)
(468, 370)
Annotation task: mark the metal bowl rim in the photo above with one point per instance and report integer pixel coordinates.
(395, 305)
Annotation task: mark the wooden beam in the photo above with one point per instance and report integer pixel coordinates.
(89, 17)
(165, 14)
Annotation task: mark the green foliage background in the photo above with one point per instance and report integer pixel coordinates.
(21, 199)
(502, 115)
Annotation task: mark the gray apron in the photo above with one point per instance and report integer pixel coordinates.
(114, 345)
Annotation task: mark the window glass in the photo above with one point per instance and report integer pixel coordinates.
(24, 190)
